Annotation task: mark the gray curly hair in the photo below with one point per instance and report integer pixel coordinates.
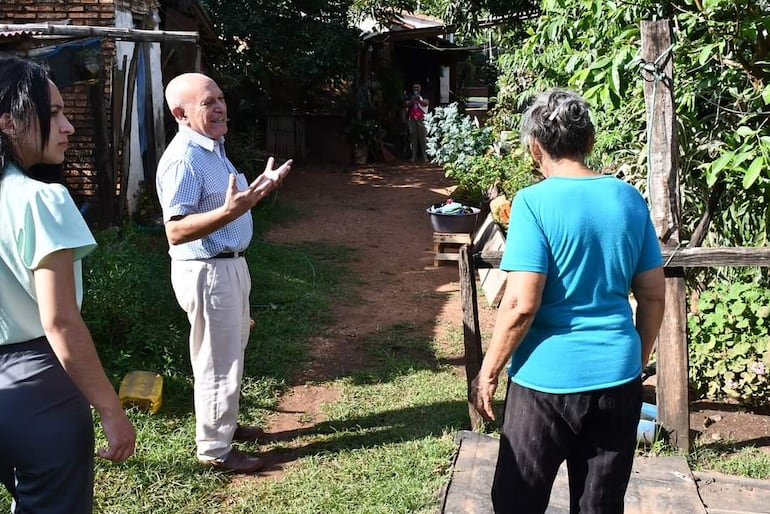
(560, 121)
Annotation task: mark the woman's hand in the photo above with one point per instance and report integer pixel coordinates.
(121, 437)
(482, 393)
(71, 341)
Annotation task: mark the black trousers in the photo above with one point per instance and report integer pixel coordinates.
(46, 433)
(595, 432)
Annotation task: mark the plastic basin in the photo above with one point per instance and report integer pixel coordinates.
(464, 223)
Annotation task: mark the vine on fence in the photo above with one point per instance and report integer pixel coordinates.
(730, 345)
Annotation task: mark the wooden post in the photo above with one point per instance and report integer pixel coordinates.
(665, 209)
(471, 328)
(118, 101)
(149, 158)
(105, 186)
(126, 134)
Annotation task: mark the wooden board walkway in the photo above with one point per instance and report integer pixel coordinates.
(658, 485)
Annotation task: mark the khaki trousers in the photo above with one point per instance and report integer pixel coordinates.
(215, 295)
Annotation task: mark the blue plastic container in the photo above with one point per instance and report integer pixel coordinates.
(649, 412)
(647, 431)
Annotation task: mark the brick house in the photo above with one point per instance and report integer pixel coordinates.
(107, 56)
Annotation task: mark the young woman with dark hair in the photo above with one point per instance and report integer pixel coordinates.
(50, 373)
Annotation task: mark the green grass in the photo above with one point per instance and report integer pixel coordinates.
(385, 447)
(399, 477)
(724, 457)
(387, 443)
(748, 462)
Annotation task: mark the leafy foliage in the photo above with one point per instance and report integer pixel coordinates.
(131, 319)
(721, 93)
(464, 15)
(468, 155)
(302, 53)
(454, 141)
(729, 343)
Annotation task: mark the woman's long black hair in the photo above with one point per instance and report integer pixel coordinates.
(25, 95)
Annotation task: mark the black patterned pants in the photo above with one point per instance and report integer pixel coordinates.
(595, 432)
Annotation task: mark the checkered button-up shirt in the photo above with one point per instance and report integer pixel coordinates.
(193, 177)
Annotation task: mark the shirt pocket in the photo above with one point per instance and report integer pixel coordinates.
(241, 181)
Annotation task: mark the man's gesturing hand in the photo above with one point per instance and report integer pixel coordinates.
(278, 174)
(237, 202)
(270, 178)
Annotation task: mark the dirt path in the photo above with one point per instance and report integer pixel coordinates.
(380, 210)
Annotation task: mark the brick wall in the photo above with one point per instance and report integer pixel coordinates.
(80, 167)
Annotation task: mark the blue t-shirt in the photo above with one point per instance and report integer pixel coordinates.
(589, 236)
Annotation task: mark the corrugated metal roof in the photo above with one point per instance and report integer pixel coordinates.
(17, 34)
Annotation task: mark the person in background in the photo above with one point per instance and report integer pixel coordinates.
(582, 241)
(207, 206)
(417, 108)
(50, 372)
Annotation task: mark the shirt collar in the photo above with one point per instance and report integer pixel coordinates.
(199, 139)
(11, 168)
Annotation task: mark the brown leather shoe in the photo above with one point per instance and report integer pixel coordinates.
(237, 461)
(248, 434)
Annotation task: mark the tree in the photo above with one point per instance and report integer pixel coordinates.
(301, 53)
(722, 96)
(464, 15)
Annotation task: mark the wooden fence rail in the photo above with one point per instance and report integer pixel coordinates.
(675, 258)
(675, 261)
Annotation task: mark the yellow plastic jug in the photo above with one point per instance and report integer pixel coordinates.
(143, 389)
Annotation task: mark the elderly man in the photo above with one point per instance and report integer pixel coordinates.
(207, 213)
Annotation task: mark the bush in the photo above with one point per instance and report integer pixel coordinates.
(455, 142)
(129, 306)
(729, 343)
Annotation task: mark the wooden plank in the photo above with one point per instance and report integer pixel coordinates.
(118, 99)
(674, 257)
(452, 237)
(443, 241)
(736, 495)
(487, 259)
(665, 211)
(672, 357)
(126, 134)
(472, 472)
(492, 281)
(105, 188)
(471, 329)
(441, 256)
(658, 485)
(711, 257)
(113, 32)
(662, 485)
(150, 158)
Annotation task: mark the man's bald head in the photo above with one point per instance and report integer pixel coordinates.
(181, 87)
(196, 101)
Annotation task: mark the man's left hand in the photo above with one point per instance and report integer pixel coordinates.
(270, 178)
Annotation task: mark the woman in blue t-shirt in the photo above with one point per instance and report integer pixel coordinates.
(578, 242)
(50, 373)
